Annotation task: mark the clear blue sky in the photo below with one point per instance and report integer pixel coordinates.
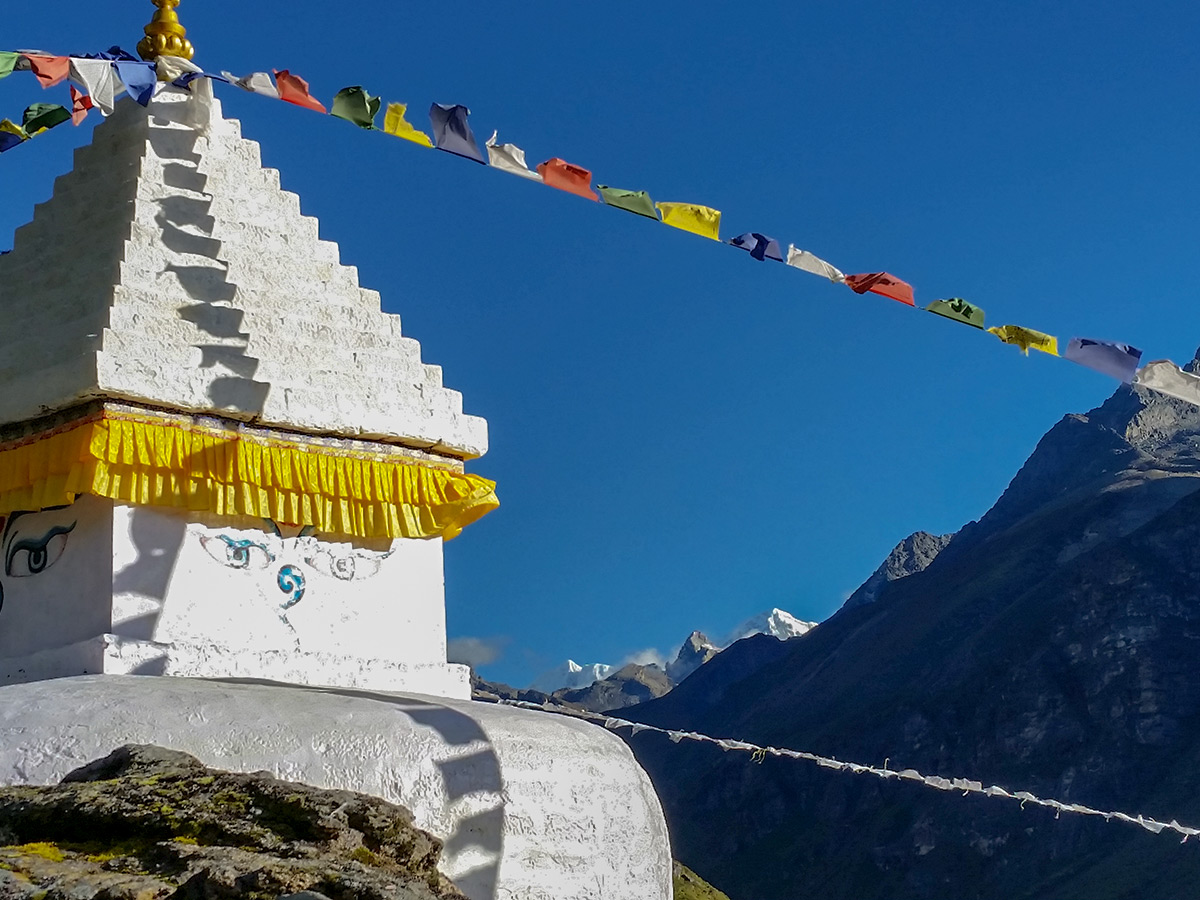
(683, 437)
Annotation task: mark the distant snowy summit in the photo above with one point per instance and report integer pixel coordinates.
(696, 651)
(778, 623)
(570, 675)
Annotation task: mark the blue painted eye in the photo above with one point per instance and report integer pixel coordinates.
(237, 554)
(35, 555)
(291, 581)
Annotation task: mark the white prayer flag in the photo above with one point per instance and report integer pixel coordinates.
(99, 78)
(802, 259)
(509, 158)
(1164, 376)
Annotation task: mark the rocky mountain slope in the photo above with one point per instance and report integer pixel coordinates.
(1053, 646)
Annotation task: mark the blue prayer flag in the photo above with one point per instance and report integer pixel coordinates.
(452, 133)
(760, 246)
(139, 79)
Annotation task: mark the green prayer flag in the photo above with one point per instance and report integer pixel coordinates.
(42, 116)
(959, 310)
(355, 105)
(8, 62)
(636, 202)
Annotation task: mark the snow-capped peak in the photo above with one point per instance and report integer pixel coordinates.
(570, 675)
(777, 622)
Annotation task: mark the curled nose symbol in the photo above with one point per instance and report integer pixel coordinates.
(291, 582)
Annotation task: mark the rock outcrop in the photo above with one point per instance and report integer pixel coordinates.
(911, 555)
(695, 652)
(146, 823)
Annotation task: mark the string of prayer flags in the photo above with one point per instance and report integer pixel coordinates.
(1026, 338)
(883, 284)
(396, 125)
(636, 202)
(42, 117)
(294, 89)
(807, 262)
(11, 134)
(80, 104)
(356, 106)
(1164, 376)
(99, 79)
(692, 217)
(50, 70)
(8, 62)
(452, 132)
(255, 83)
(558, 173)
(508, 158)
(1108, 357)
(760, 246)
(959, 310)
(140, 79)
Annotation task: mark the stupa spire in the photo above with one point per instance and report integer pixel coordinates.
(164, 35)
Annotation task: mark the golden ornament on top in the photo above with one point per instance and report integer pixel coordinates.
(164, 35)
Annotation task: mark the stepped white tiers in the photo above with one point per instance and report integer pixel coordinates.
(169, 268)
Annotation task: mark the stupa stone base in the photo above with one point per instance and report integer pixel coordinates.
(530, 805)
(111, 654)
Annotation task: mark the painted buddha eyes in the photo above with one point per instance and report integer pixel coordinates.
(237, 554)
(33, 556)
(352, 567)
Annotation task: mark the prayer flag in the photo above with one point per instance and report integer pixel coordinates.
(80, 104)
(42, 117)
(883, 284)
(255, 83)
(140, 79)
(50, 70)
(558, 173)
(452, 132)
(691, 217)
(959, 310)
(11, 134)
(760, 246)
(1026, 338)
(1164, 376)
(8, 62)
(1118, 360)
(294, 89)
(395, 124)
(636, 202)
(807, 262)
(356, 106)
(508, 158)
(99, 79)
(172, 69)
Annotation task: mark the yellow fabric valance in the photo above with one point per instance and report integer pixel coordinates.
(146, 459)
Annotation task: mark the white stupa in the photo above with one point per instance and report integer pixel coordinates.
(219, 459)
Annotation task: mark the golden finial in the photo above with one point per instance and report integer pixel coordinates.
(164, 35)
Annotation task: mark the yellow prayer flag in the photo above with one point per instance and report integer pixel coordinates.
(699, 220)
(13, 128)
(395, 124)
(1026, 338)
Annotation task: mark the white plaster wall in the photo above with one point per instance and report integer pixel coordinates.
(249, 588)
(530, 806)
(170, 592)
(170, 267)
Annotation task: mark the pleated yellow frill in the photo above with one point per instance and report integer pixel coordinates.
(141, 458)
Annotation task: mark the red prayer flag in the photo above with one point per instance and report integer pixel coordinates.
(80, 104)
(558, 173)
(50, 70)
(294, 89)
(883, 284)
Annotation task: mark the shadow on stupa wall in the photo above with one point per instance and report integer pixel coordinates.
(467, 773)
